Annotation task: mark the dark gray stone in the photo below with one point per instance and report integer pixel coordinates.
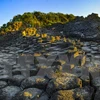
(74, 94)
(16, 80)
(8, 92)
(34, 81)
(63, 81)
(29, 94)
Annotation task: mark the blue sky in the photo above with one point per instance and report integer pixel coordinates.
(10, 8)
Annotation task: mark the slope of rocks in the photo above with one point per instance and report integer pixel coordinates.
(30, 70)
(88, 27)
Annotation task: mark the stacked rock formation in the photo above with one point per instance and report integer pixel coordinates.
(31, 70)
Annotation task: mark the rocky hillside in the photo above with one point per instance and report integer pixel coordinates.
(55, 24)
(88, 27)
(80, 27)
(45, 65)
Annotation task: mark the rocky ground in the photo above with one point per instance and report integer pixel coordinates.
(41, 71)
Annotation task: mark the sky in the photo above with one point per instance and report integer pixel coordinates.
(10, 8)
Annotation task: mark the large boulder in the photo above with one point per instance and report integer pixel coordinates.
(35, 81)
(74, 94)
(63, 81)
(16, 80)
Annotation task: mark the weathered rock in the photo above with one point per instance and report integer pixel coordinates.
(29, 94)
(4, 77)
(83, 28)
(74, 94)
(83, 74)
(8, 92)
(16, 80)
(35, 81)
(63, 81)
